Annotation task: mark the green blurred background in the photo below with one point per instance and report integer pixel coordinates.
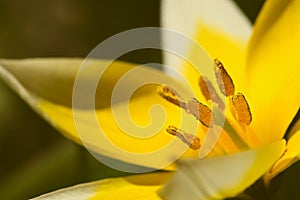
(35, 158)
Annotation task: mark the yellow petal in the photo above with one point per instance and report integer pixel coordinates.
(43, 84)
(295, 127)
(183, 16)
(291, 155)
(47, 85)
(131, 187)
(53, 78)
(218, 25)
(273, 69)
(221, 177)
(151, 147)
(143, 145)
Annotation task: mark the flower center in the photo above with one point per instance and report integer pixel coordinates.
(236, 121)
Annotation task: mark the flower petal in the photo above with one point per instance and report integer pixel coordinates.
(47, 85)
(291, 155)
(53, 78)
(221, 177)
(131, 187)
(273, 69)
(108, 130)
(146, 147)
(295, 127)
(218, 25)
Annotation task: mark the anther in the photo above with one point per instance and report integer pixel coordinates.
(200, 111)
(223, 78)
(242, 109)
(170, 95)
(209, 92)
(192, 141)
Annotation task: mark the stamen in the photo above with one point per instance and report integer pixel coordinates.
(223, 78)
(170, 95)
(242, 109)
(209, 92)
(192, 141)
(200, 111)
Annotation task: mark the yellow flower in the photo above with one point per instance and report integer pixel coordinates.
(263, 67)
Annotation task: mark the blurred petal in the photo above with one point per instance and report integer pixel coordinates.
(221, 177)
(47, 85)
(218, 25)
(131, 187)
(291, 155)
(107, 138)
(273, 69)
(137, 137)
(156, 151)
(295, 127)
(53, 78)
